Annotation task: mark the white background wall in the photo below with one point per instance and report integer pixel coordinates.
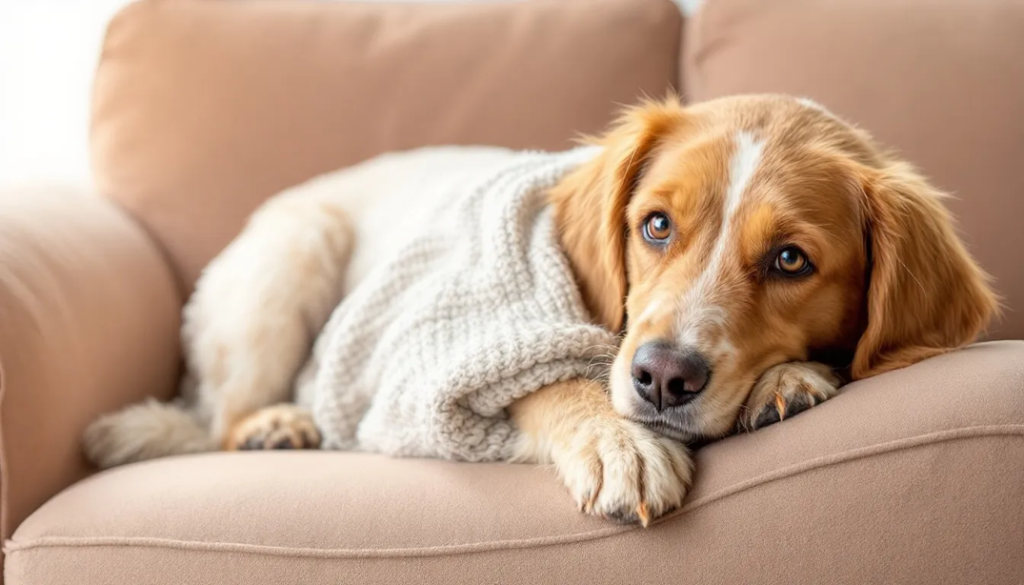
(48, 51)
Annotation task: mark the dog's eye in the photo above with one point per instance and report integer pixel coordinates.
(792, 261)
(657, 228)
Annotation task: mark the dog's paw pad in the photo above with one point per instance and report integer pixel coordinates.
(284, 426)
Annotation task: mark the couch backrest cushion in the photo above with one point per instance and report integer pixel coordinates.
(942, 83)
(204, 109)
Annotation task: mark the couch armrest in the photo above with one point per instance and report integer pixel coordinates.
(88, 322)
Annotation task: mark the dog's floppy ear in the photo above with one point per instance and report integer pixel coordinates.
(590, 206)
(926, 294)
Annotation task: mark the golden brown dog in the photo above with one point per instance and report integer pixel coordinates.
(755, 252)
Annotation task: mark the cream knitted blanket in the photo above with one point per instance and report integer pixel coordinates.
(474, 312)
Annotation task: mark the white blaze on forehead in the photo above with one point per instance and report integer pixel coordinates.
(696, 311)
(745, 160)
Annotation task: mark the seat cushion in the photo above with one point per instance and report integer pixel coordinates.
(916, 476)
(941, 84)
(204, 109)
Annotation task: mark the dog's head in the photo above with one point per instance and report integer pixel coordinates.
(727, 237)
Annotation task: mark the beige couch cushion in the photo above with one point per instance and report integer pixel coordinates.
(916, 476)
(204, 109)
(941, 84)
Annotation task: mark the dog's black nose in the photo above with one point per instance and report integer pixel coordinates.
(667, 377)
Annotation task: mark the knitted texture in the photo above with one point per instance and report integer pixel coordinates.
(478, 309)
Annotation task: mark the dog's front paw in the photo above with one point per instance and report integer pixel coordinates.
(786, 390)
(621, 470)
(282, 426)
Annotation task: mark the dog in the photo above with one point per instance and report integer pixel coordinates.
(754, 252)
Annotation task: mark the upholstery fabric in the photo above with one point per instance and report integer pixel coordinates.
(88, 321)
(204, 109)
(940, 84)
(915, 476)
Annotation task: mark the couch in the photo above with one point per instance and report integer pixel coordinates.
(202, 109)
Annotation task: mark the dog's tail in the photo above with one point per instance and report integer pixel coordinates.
(145, 431)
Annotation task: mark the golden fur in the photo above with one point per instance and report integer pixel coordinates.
(738, 179)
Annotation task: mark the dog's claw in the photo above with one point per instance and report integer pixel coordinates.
(780, 406)
(643, 514)
(591, 499)
(780, 409)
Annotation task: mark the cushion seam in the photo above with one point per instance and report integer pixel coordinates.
(908, 443)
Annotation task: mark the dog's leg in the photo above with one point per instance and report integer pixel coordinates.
(247, 330)
(786, 390)
(613, 467)
(258, 307)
